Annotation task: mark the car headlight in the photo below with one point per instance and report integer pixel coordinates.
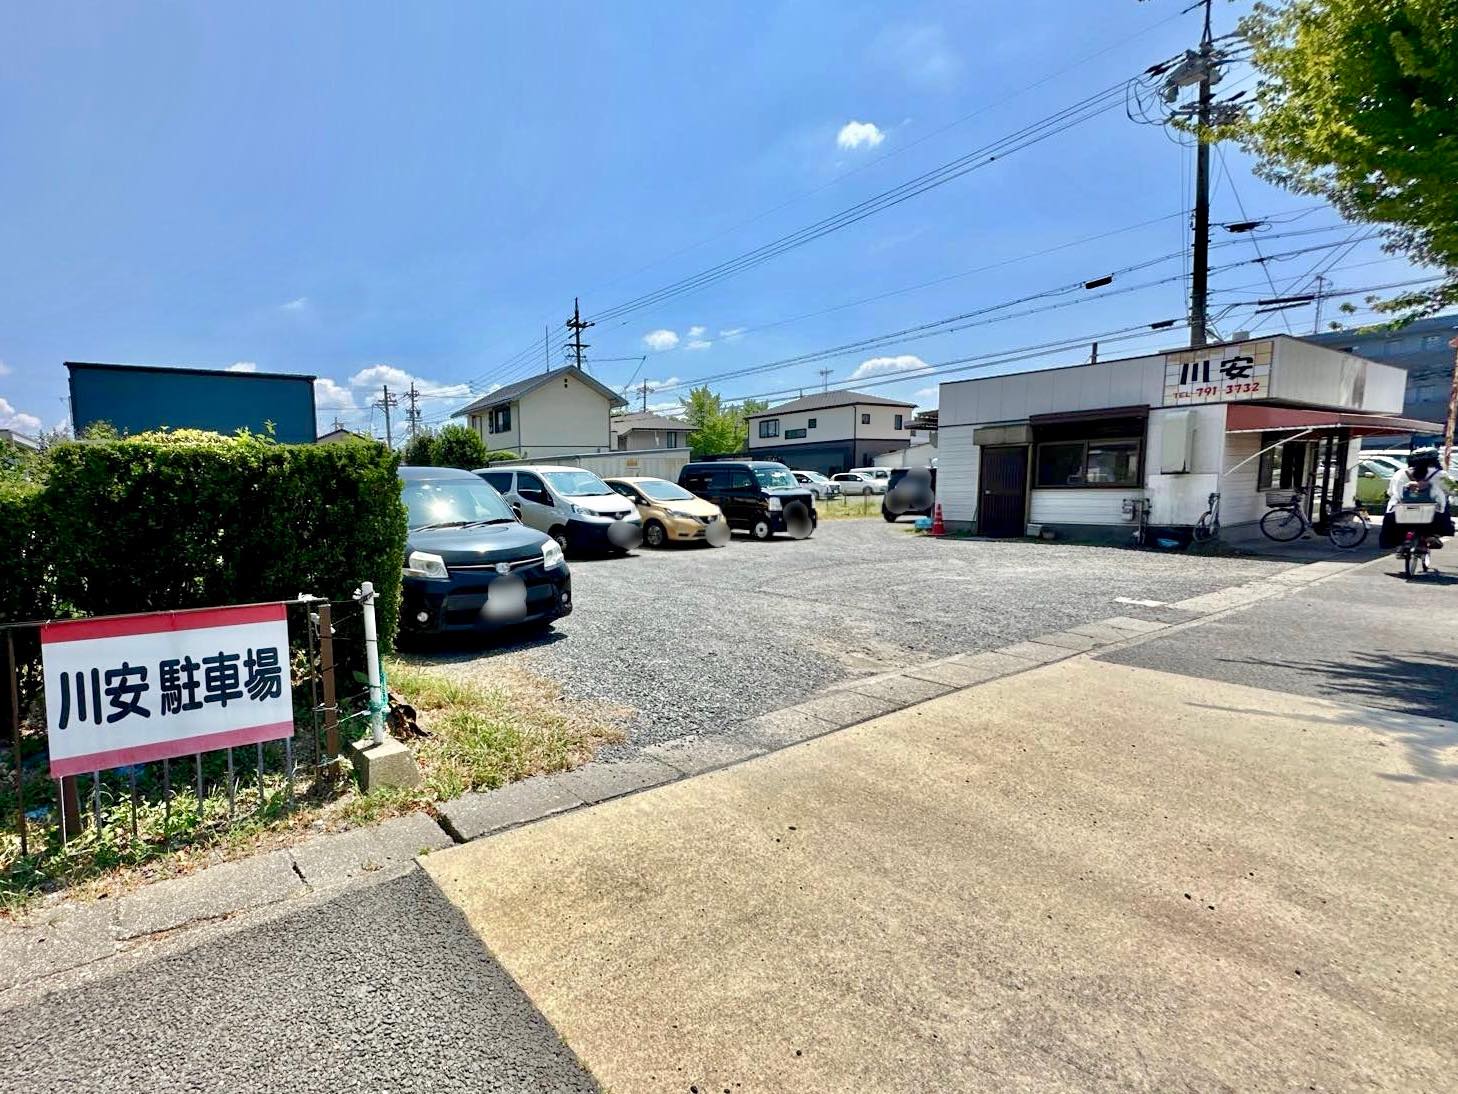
(424, 564)
(679, 513)
(579, 511)
(774, 504)
(551, 555)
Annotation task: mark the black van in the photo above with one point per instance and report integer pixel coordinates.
(911, 492)
(756, 496)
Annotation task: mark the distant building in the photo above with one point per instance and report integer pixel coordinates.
(830, 431)
(139, 398)
(339, 433)
(1420, 349)
(20, 440)
(643, 432)
(561, 412)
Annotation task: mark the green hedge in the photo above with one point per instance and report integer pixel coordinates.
(192, 519)
(23, 593)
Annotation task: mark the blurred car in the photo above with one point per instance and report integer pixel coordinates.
(854, 483)
(759, 496)
(670, 513)
(1373, 473)
(912, 493)
(880, 474)
(470, 564)
(817, 484)
(571, 504)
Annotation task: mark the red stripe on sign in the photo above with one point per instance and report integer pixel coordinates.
(168, 750)
(119, 626)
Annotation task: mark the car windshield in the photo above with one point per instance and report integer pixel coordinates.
(814, 476)
(775, 478)
(445, 503)
(661, 490)
(577, 484)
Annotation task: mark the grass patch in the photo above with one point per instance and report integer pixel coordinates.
(487, 726)
(844, 508)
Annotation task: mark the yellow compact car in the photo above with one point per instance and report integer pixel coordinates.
(670, 513)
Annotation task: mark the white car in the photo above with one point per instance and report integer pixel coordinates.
(817, 484)
(858, 483)
(570, 504)
(880, 474)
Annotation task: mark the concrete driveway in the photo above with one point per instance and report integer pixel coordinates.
(1091, 876)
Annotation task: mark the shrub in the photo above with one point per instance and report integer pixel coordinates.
(23, 588)
(190, 519)
(459, 446)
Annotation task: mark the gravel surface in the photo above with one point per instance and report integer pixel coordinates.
(384, 988)
(696, 639)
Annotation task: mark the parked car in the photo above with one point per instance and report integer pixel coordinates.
(817, 484)
(880, 474)
(911, 492)
(1373, 472)
(857, 483)
(670, 513)
(571, 504)
(470, 564)
(756, 496)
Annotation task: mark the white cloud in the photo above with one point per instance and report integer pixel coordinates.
(10, 418)
(670, 381)
(297, 304)
(243, 366)
(4, 369)
(732, 333)
(698, 343)
(658, 340)
(697, 332)
(856, 134)
(331, 396)
(876, 365)
(377, 376)
(665, 408)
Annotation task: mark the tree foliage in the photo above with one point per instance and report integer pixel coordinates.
(1358, 103)
(451, 446)
(718, 427)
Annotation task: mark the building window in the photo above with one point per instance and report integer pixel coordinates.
(865, 419)
(500, 420)
(672, 439)
(794, 434)
(810, 424)
(1284, 466)
(769, 427)
(1113, 462)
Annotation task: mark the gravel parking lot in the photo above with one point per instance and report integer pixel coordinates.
(696, 639)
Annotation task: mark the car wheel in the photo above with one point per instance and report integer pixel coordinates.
(888, 516)
(761, 530)
(560, 535)
(654, 534)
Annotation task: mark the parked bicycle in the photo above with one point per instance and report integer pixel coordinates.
(1287, 520)
(1208, 526)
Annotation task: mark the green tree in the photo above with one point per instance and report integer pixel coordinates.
(717, 429)
(459, 446)
(1358, 103)
(419, 450)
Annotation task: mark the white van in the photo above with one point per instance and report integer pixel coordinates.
(570, 504)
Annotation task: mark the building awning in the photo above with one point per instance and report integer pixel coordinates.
(1140, 411)
(1253, 418)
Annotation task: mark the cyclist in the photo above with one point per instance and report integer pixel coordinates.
(1421, 480)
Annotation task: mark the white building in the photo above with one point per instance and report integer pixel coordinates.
(830, 431)
(1077, 450)
(642, 431)
(561, 412)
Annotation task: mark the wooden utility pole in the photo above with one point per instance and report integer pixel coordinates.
(577, 326)
(643, 390)
(1200, 267)
(412, 410)
(387, 401)
(1451, 425)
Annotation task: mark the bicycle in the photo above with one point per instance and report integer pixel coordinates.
(1208, 526)
(1287, 520)
(1416, 552)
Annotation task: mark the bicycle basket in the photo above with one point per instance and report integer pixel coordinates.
(1280, 499)
(1415, 512)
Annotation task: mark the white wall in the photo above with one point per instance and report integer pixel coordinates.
(1314, 375)
(508, 439)
(918, 455)
(1068, 505)
(1014, 398)
(838, 423)
(562, 416)
(957, 473)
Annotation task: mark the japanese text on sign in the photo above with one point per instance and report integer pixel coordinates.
(129, 689)
(1222, 374)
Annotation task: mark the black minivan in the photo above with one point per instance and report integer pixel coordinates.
(756, 496)
(911, 492)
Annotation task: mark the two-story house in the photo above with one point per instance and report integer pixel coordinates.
(641, 432)
(558, 413)
(830, 431)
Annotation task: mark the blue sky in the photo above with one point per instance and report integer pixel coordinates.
(372, 192)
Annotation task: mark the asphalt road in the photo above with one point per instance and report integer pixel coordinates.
(383, 988)
(696, 639)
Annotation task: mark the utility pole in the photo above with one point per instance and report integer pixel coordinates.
(385, 402)
(824, 378)
(1451, 425)
(338, 423)
(412, 410)
(577, 326)
(1200, 270)
(1321, 284)
(643, 390)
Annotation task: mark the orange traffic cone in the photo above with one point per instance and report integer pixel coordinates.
(937, 528)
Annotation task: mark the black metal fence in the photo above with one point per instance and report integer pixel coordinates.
(138, 808)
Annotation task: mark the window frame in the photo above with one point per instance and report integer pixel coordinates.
(865, 417)
(769, 428)
(900, 420)
(794, 434)
(498, 419)
(810, 423)
(1085, 444)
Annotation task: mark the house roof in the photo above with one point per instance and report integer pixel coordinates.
(824, 400)
(622, 423)
(512, 392)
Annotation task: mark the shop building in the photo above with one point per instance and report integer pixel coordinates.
(1078, 452)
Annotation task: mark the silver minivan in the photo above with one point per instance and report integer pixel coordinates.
(571, 504)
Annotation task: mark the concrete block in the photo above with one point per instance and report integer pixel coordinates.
(844, 708)
(1040, 653)
(336, 858)
(1102, 633)
(695, 755)
(996, 664)
(387, 764)
(595, 782)
(954, 673)
(55, 939)
(902, 691)
(1068, 640)
(214, 893)
(473, 815)
(782, 727)
(1132, 625)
